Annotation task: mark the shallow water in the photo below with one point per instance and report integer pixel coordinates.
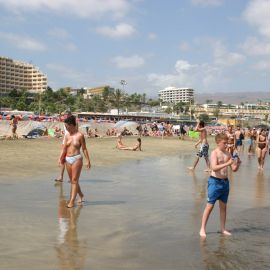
(141, 215)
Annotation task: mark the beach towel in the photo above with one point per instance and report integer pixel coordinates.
(51, 132)
(193, 134)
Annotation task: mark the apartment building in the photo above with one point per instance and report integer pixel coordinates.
(176, 95)
(90, 92)
(21, 76)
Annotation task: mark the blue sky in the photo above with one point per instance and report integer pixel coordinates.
(209, 45)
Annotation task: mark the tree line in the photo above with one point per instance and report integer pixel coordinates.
(50, 102)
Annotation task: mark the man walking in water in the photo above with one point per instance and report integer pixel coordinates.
(203, 152)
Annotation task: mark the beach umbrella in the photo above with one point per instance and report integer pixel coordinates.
(119, 124)
(25, 117)
(129, 124)
(35, 132)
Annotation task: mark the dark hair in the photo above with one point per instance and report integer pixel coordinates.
(139, 140)
(12, 116)
(201, 123)
(71, 120)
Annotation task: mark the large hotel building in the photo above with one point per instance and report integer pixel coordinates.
(176, 95)
(20, 76)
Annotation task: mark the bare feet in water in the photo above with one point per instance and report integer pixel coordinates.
(226, 233)
(81, 200)
(202, 234)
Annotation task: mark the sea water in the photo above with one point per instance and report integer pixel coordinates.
(141, 215)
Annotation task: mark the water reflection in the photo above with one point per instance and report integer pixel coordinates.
(217, 255)
(199, 192)
(260, 189)
(69, 250)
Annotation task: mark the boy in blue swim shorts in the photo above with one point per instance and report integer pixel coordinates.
(218, 182)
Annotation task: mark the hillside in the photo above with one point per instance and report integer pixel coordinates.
(233, 97)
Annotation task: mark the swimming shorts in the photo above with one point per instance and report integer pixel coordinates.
(218, 189)
(250, 142)
(238, 142)
(203, 152)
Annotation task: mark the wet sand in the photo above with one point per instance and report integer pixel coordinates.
(140, 214)
(28, 158)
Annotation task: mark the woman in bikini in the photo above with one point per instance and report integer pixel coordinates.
(74, 141)
(231, 140)
(14, 124)
(262, 145)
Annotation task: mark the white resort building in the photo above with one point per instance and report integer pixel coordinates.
(20, 76)
(176, 95)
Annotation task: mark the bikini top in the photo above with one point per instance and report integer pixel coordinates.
(262, 141)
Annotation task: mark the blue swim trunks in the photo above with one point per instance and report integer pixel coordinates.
(238, 142)
(218, 189)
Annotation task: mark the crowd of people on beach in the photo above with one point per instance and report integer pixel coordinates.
(227, 154)
(229, 149)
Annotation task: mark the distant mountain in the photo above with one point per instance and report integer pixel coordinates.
(233, 97)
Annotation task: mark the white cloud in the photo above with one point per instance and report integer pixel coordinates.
(257, 14)
(133, 61)
(207, 2)
(59, 33)
(70, 46)
(182, 76)
(199, 76)
(262, 65)
(81, 8)
(119, 31)
(182, 66)
(22, 42)
(78, 77)
(253, 46)
(224, 58)
(152, 36)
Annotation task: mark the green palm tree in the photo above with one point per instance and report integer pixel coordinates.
(219, 104)
(118, 99)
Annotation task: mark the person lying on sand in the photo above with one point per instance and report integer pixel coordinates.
(121, 146)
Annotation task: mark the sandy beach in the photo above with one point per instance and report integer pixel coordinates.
(28, 158)
(142, 211)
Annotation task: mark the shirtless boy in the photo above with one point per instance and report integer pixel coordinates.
(218, 183)
(203, 152)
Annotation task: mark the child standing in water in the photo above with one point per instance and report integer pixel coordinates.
(218, 182)
(73, 142)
